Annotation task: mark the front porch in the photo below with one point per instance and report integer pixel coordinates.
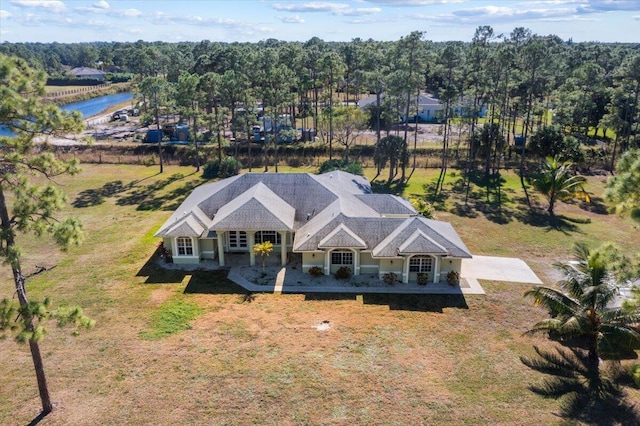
(292, 279)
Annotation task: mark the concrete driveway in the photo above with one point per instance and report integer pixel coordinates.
(509, 269)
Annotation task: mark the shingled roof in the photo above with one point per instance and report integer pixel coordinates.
(330, 210)
(258, 208)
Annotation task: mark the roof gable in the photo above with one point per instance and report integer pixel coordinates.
(342, 236)
(188, 226)
(299, 190)
(258, 208)
(419, 243)
(441, 233)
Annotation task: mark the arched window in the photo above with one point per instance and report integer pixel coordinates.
(185, 246)
(421, 264)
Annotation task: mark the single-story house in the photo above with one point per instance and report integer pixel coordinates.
(430, 109)
(332, 219)
(86, 73)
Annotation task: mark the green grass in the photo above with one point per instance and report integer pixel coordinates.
(171, 318)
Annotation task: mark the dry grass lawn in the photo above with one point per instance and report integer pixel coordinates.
(384, 360)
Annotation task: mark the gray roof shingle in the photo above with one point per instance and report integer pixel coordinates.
(256, 209)
(331, 210)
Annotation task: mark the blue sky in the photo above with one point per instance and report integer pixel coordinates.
(69, 21)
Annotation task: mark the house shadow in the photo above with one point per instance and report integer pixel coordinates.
(329, 297)
(214, 282)
(156, 274)
(201, 280)
(416, 302)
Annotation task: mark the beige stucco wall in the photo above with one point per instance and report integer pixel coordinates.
(308, 260)
(368, 265)
(447, 265)
(207, 248)
(391, 265)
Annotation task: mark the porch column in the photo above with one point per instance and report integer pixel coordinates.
(436, 270)
(405, 270)
(251, 236)
(327, 263)
(356, 262)
(283, 247)
(221, 236)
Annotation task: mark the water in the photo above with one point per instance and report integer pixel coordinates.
(97, 105)
(89, 107)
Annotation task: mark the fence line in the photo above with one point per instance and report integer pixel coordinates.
(78, 90)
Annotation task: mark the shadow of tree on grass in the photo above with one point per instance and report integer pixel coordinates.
(586, 394)
(149, 198)
(94, 197)
(396, 187)
(538, 218)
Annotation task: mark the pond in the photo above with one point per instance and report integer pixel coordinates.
(89, 107)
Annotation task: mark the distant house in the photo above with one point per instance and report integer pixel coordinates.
(430, 109)
(87, 73)
(333, 220)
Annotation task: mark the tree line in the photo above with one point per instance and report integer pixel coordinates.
(542, 95)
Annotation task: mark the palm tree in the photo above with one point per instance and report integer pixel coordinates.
(263, 249)
(557, 181)
(580, 307)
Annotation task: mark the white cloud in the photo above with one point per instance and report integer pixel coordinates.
(502, 12)
(4, 14)
(310, 7)
(127, 12)
(637, 17)
(361, 11)
(338, 9)
(102, 4)
(291, 19)
(55, 5)
(412, 3)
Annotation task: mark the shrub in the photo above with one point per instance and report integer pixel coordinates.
(228, 167)
(423, 207)
(346, 166)
(422, 278)
(316, 271)
(343, 273)
(634, 372)
(390, 278)
(164, 253)
(453, 278)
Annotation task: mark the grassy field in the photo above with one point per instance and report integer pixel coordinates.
(176, 348)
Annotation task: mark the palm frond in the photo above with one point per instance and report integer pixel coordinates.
(553, 299)
(544, 326)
